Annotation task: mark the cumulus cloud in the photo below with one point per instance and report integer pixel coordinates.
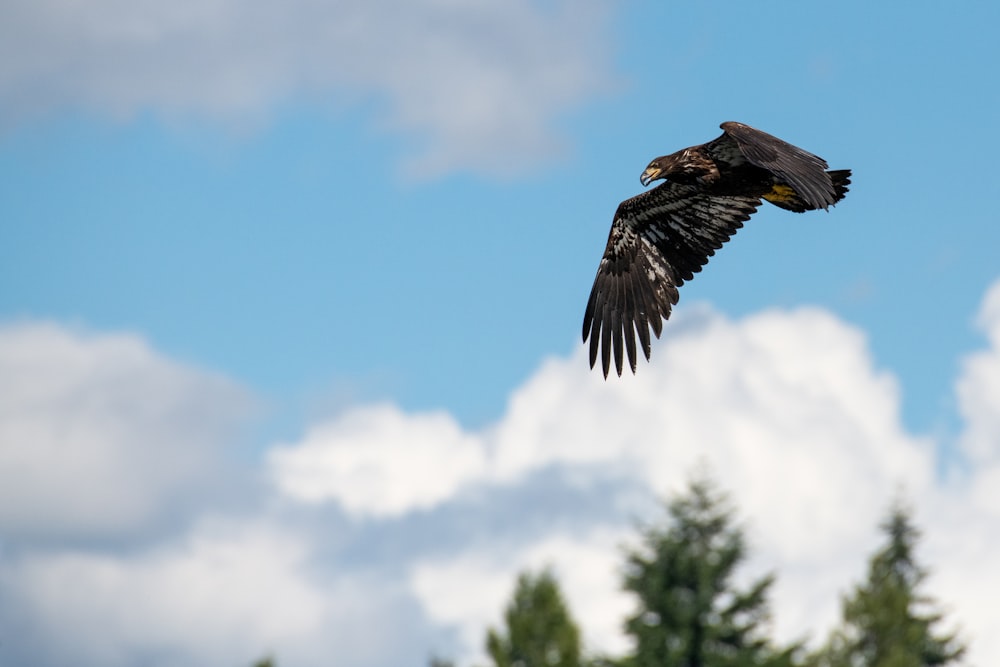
(225, 591)
(789, 396)
(412, 524)
(377, 461)
(787, 409)
(100, 436)
(979, 389)
(964, 533)
(473, 85)
(470, 590)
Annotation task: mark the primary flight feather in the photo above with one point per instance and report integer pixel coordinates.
(664, 236)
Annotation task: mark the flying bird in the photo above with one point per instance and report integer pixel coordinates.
(664, 236)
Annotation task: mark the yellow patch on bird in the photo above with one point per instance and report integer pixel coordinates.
(780, 193)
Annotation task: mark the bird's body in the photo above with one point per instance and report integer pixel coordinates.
(662, 237)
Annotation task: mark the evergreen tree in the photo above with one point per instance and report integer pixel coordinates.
(689, 612)
(540, 630)
(886, 622)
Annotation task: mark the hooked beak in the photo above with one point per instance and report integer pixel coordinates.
(650, 175)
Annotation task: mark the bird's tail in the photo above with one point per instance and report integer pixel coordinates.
(783, 196)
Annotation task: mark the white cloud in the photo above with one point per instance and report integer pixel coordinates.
(786, 408)
(979, 389)
(475, 85)
(786, 396)
(226, 591)
(470, 591)
(963, 540)
(100, 436)
(377, 461)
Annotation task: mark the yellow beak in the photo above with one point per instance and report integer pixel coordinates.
(650, 175)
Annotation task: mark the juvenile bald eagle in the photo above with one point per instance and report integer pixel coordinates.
(664, 236)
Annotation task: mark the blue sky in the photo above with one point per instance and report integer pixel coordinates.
(295, 254)
(358, 233)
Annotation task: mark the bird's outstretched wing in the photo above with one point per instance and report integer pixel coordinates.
(658, 240)
(805, 172)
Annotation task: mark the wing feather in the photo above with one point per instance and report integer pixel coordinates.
(644, 311)
(633, 318)
(658, 240)
(805, 172)
(606, 339)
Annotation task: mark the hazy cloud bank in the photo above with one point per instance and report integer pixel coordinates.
(468, 86)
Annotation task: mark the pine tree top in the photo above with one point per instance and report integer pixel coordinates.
(887, 621)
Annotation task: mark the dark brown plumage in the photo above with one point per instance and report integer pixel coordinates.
(664, 236)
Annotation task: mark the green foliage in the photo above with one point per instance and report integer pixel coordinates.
(265, 662)
(540, 631)
(886, 622)
(689, 613)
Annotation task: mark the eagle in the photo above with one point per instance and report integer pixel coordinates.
(665, 235)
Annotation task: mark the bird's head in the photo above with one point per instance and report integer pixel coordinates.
(687, 166)
(655, 170)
